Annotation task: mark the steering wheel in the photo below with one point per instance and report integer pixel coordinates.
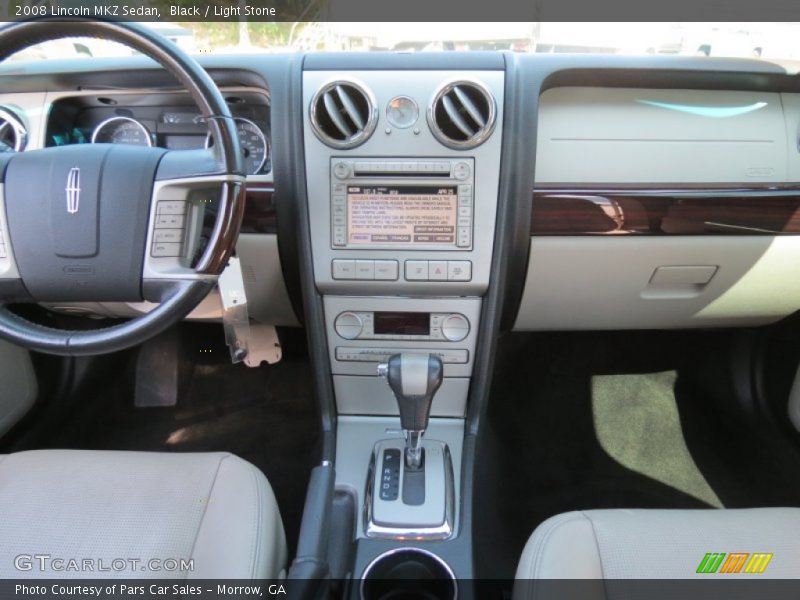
(87, 222)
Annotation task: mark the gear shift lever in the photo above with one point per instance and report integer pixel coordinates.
(414, 379)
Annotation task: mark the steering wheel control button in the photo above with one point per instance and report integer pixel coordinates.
(168, 235)
(437, 270)
(170, 221)
(171, 207)
(343, 269)
(386, 270)
(455, 328)
(459, 270)
(365, 269)
(341, 170)
(348, 325)
(166, 249)
(417, 270)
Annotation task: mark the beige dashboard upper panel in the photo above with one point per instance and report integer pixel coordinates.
(623, 135)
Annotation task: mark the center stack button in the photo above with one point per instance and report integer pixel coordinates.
(348, 325)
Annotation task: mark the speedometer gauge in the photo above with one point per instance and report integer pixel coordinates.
(121, 130)
(253, 143)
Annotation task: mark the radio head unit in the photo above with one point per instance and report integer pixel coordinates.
(420, 204)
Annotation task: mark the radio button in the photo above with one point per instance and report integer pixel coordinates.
(464, 211)
(465, 189)
(338, 209)
(338, 236)
(348, 325)
(386, 270)
(461, 171)
(455, 328)
(341, 170)
(437, 270)
(365, 269)
(464, 221)
(338, 219)
(459, 270)
(464, 235)
(344, 269)
(465, 200)
(417, 270)
(339, 188)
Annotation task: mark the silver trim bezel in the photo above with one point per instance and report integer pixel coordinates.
(482, 135)
(267, 147)
(442, 532)
(15, 122)
(436, 558)
(102, 124)
(364, 134)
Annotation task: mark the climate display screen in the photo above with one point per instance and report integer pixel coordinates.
(402, 323)
(402, 214)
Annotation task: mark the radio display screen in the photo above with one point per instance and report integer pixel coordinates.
(402, 214)
(402, 323)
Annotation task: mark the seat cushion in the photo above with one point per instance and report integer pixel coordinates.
(659, 544)
(213, 509)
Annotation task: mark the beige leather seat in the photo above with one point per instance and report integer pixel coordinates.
(657, 544)
(214, 511)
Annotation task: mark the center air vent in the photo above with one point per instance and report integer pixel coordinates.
(462, 114)
(343, 114)
(13, 135)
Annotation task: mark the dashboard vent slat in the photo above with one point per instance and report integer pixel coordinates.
(351, 108)
(462, 114)
(455, 116)
(335, 115)
(343, 114)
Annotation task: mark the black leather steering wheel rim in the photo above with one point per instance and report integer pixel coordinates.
(176, 298)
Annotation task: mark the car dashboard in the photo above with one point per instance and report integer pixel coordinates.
(616, 192)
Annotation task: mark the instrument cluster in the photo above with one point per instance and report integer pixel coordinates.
(172, 124)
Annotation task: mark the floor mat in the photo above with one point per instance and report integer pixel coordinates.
(637, 424)
(618, 420)
(265, 415)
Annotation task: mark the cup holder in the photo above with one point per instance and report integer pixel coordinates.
(408, 574)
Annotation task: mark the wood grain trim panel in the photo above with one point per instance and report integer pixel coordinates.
(677, 210)
(260, 215)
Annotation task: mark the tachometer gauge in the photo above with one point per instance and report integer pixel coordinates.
(253, 143)
(121, 130)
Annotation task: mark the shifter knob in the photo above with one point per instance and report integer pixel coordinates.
(414, 379)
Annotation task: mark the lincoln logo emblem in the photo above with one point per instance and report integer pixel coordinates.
(73, 190)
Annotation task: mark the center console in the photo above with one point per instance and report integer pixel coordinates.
(402, 172)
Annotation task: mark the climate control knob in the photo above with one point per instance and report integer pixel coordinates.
(455, 327)
(348, 325)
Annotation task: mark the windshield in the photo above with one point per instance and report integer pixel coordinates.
(776, 42)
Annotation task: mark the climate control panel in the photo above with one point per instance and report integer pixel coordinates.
(402, 326)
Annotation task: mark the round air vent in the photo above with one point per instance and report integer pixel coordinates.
(343, 114)
(13, 134)
(462, 114)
